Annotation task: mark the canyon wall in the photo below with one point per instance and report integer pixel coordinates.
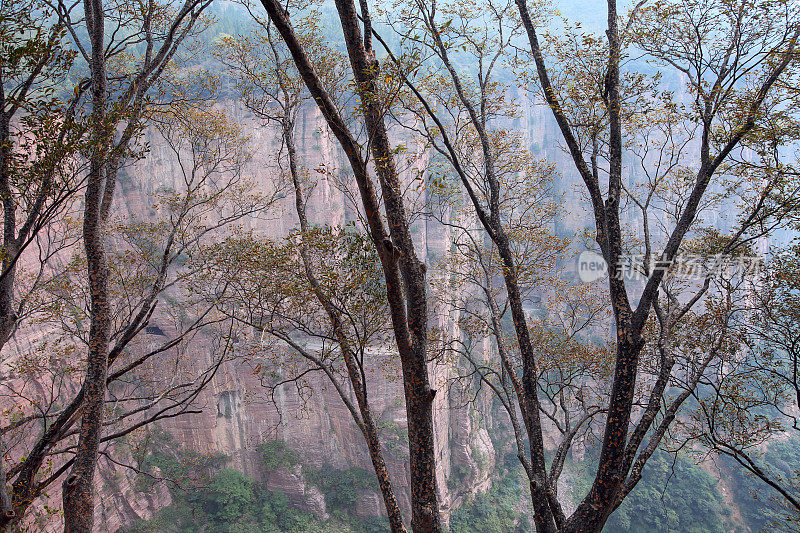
(238, 413)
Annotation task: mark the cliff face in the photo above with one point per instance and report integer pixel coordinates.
(237, 413)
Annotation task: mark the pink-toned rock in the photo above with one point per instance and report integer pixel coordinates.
(238, 413)
(301, 494)
(370, 503)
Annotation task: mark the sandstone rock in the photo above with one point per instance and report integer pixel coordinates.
(301, 494)
(370, 503)
(238, 413)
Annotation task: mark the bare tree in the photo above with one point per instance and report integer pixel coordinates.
(38, 140)
(161, 40)
(403, 271)
(273, 91)
(729, 59)
(151, 262)
(751, 401)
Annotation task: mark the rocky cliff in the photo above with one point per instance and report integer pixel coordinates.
(237, 413)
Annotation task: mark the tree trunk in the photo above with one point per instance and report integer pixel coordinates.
(367, 423)
(7, 315)
(78, 487)
(406, 295)
(419, 395)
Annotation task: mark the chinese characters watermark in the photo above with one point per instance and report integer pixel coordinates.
(591, 266)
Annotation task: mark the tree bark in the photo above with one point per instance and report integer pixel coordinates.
(419, 396)
(547, 511)
(7, 316)
(78, 487)
(615, 457)
(406, 291)
(366, 423)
